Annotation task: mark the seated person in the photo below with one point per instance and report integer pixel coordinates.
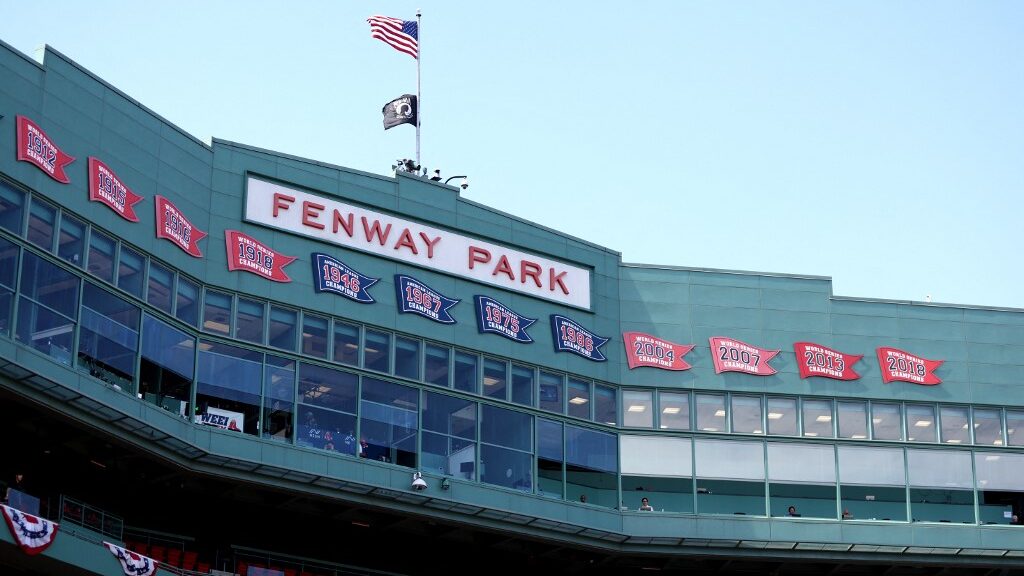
(645, 505)
(792, 511)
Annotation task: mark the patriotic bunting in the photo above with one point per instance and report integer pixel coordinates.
(33, 534)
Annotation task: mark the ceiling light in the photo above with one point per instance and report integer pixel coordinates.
(810, 433)
(823, 418)
(858, 436)
(923, 423)
(719, 413)
(578, 400)
(774, 415)
(671, 410)
(636, 408)
(952, 441)
(876, 420)
(710, 429)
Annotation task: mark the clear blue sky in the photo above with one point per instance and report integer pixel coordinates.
(880, 142)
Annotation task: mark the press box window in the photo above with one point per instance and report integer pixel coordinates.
(217, 313)
(42, 218)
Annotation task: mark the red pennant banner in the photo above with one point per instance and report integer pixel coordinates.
(106, 187)
(817, 360)
(646, 350)
(172, 225)
(247, 253)
(32, 533)
(133, 563)
(735, 356)
(36, 148)
(900, 366)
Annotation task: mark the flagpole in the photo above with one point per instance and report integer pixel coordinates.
(419, 96)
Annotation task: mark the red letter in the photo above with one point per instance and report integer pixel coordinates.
(504, 267)
(406, 240)
(558, 280)
(346, 224)
(375, 231)
(529, 269)
(430, 244)
(310, 212)
(278, 204)
(478, 255)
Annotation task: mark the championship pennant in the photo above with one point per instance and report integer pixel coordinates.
(333, 275)
(107, 188)
(734, 356)
(32, 533)
(817, 360)
(900, 366)
(247, 253)
(36, 148)
(646, 350)
(172, 225)
(418, 298)
(571, 337)
(493, 316)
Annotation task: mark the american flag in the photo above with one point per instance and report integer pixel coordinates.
(402, 35)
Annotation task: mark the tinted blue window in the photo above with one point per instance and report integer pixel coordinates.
(50, 285)
(278, 398)
(465, 376)
(388, 423)
(407, 358)
(505, 427)
(12, 208)
(377, 351)
(591, 449)
(230, 381)
(109, 336)
(167, 366)
(522, 385)
(436, 365)
(41, 220)
(346, 343)
(328, 388)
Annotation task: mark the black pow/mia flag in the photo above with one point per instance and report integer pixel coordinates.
(401, 110)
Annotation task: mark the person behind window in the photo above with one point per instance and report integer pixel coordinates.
(792, 511)
(846, 514)
(583, 498)
(645, 505)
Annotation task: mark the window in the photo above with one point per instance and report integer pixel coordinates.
(249, 320)
(217, 312)
(885, 421)
(161, 283)
(988, 429)
(579, 398)
(109, 337)
(782, 416)
(436, 365)
(314, 335)
(711, 412)
(377, 351)
(101, 255)
(802, 476)
(638, 409)
(167, 366)
(873, 483)
(818, 418)
(130, 271)
(407, 358)
(495, 378)
(465, 377)
(956, 428)
(1015, 427)
(279, 399)
(71, 241)
(853, 420)
(551, 460)
(552, 398)
(591, 467)
(8, 266)
(605, 406)
(12, 208)
(389, 421)
(675, 410)
(730, 477)
(334, 393)
(187, 309)
(42, 218)
(940, 486)
(920, 423)
(346, 343)
(506, 446)
(1000, 493)
(229, 384)
(47, 308)
(449, 436)
(282, 328)
(522, 385)
(659, 469)
(746, 415)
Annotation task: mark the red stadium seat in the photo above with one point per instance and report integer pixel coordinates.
(190, 560)
(289, 572)
(242, 568)
(174, 557)
(203, 567)
(158, 553)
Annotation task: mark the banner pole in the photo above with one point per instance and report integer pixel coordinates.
(419, 96)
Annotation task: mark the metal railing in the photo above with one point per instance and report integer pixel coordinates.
(96, 519)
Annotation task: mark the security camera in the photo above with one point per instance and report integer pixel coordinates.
(418, 483)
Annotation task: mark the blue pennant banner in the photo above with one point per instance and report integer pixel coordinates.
(418, 298)
(493, 316)
(333, 275)
(571, 337)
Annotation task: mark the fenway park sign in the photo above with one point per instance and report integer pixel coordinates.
(358, 228)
